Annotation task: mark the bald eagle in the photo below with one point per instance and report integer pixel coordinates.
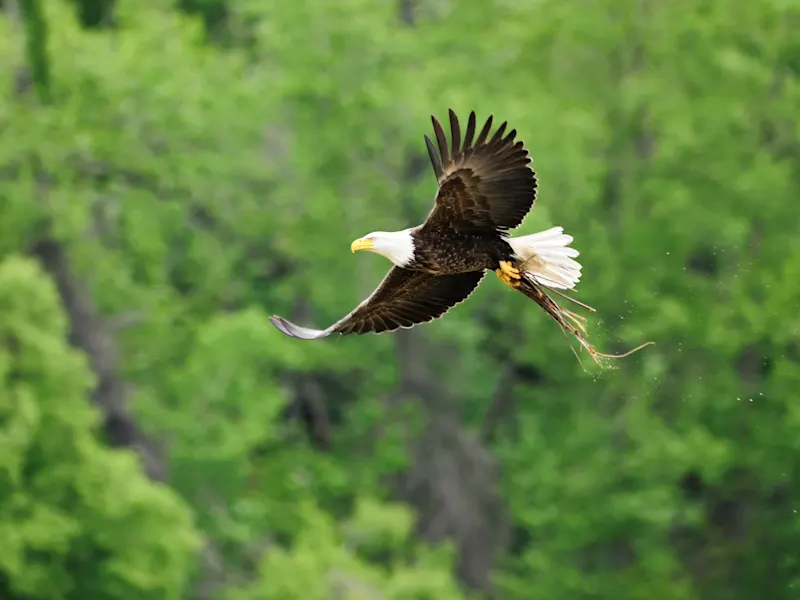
(486, 187)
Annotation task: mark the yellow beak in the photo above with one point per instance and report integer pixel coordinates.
(362, 244)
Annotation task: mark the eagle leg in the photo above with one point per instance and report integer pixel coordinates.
(508, 274)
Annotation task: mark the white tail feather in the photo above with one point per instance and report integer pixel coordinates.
(547, 258)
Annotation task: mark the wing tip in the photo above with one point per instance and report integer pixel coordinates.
(436, 161)
(302, 333)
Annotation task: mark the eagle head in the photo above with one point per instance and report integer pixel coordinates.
(397, 246)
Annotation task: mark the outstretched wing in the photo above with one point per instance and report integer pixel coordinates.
(483, 185)
(403, 299)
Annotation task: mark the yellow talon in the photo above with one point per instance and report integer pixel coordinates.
(508, 274)
(510, 270)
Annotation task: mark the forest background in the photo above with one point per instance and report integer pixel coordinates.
(171, 173)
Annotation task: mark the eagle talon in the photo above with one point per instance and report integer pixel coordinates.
(508, 274)
(510, 270)
(507, 279)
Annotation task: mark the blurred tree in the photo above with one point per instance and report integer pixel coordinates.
(78, 520)
(179, 189)
(27, 29)
(94, 14)
(319, 566)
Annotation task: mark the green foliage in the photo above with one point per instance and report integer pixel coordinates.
(36, 46)
(324, 561)
(78, 520)
(206, 168)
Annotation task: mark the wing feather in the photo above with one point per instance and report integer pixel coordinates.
(403, 299)
(485, 185)
(435, 160)
(455, 136)
(442, 140)
(484, 132)
(470, 132)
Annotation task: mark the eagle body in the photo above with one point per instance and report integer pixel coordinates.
(486, 187)
(441, 250)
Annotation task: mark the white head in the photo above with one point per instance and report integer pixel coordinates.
(397, 246)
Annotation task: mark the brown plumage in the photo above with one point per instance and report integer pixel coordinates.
(484, 187)
(403, 299)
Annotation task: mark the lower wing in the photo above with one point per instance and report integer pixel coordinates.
(403, 299)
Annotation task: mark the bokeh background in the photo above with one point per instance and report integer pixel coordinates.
(173, 172)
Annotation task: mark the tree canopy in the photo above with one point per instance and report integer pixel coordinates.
(171, 173)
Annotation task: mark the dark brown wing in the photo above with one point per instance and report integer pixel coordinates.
(403, 299)
(485, 184)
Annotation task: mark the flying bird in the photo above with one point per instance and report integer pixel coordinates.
(486, 187)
